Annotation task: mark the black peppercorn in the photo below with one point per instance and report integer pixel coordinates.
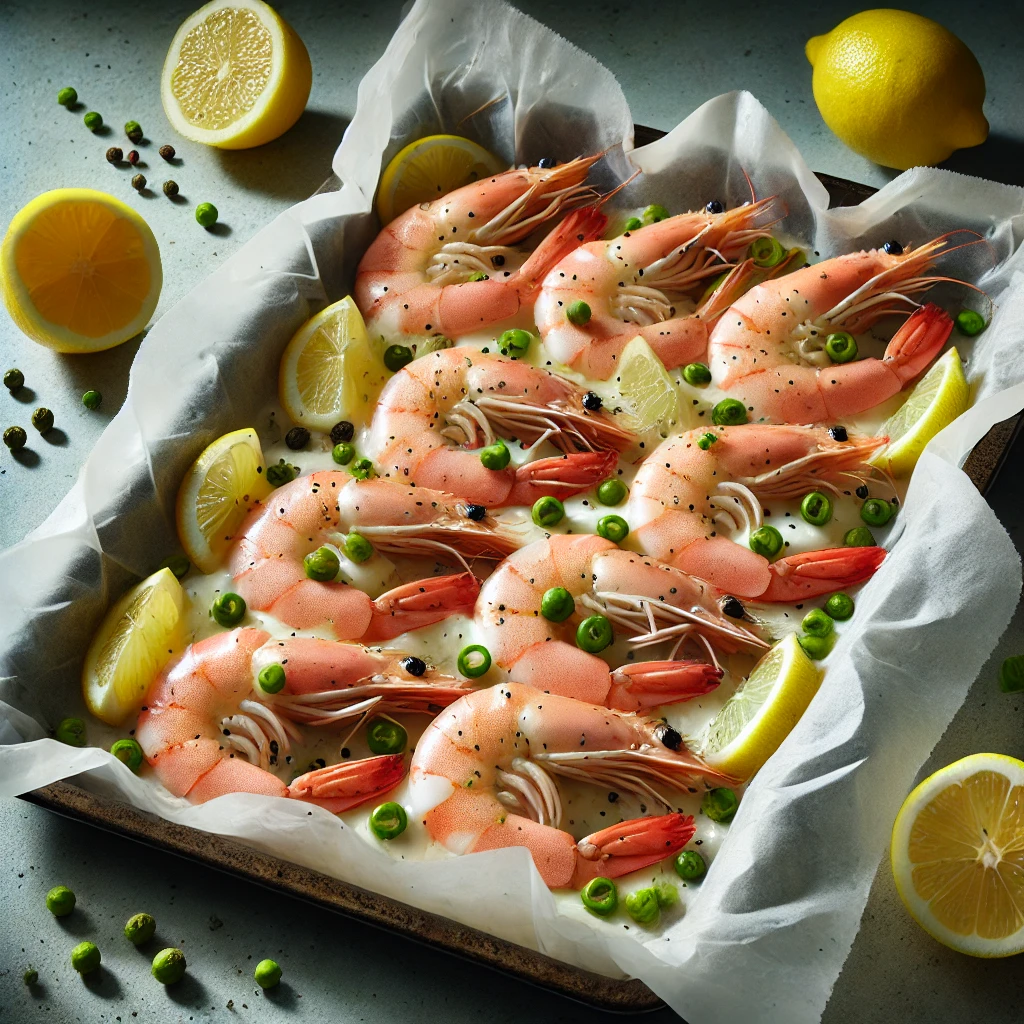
(475, 512)
(838, 434)
(669, 737)
(714, 207)
(498, 260)
(114, 155)
(343, 431)
(414, 666)
(296, 438)
(170, 189)
(139, 182)
(592, 401)
(42, 420)
(546, 162)
(893, 248)
(732, 607)
(167, 152)
(862, 491)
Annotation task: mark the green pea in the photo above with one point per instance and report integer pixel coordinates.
(705, 441)
(613, 528)
(766, 541)
(85, 957)
(594, 634)
(729, 412)
(60, 901)
(817, 623)
(612, 492)
(666, 893)
(357, 548)
(478, 276)
(877, 511)
(474, 661)
(267, 974)
(495, 456)
(632, 224)
(767, 251)
(642, 906)
(271, 678)
(128, 752)
(547, 511)
(388, 820)
(697, 374)
(343, 453)
(514, 343)
(322, 565)
(71, 731)
(970, 323)
(30, 977)
(385, 737)
(361, 469)
(67, 97)
(600, 896)
(557, 604)
(720, 804)
(397, 356)
(178, 564)
(134, 131)
(653, 213)
(859, 537)
(228, 609)
(578, 313)
(841, 347)
(139, 929)
(816, 508)
(93, 121)
(690, 866)
(206, 215)
(281, 474)
(839, 606)
(169, 966)
(1011, 674)
(817, 647)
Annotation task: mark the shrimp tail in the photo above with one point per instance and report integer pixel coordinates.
(813, 573)
(631, 846)
(649, 684)
(581, 226)
(421, 603)
(918, 341)
(339, 787)
(560, 476)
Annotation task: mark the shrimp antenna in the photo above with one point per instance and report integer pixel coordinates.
(618, 188)
(750, 185)
(481, 109)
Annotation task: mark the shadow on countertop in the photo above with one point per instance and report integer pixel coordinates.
(998, 158)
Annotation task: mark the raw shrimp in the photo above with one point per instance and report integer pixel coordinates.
(649, 601)
(207, 730)
(627, 283)
(446, 402)
(421, 276)
(480, 779)
(683, 497)
(769, 349)
(266, 564)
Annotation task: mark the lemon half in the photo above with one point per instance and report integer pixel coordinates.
(957, 855)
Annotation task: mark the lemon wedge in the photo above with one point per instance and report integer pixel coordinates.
(648, 396)
(938, 398)
(430, 168)
(236, 75)
(227, 479)
(136, 639)
(80, 270)
(957, 855)
(330, 371)
(755, 720)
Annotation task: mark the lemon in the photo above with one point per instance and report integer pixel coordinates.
(80, 270)
(938, 398)
(227, 479)
(755, 720)
(648, 396)
(330, 371)
(957, 855)
(429, 168)
(898, 88)
(236, 75)
(136, 639)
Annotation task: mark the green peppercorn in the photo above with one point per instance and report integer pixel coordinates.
(613, 528)
(92, 399)
(817, 647)
(696, 374)
(30, 977)
(970, 323)
(42, 420)
(719, 804)
(496, 456)
(281, 474)
(859, 537)
(1011, 674)
(361, 469)
(170, 188)
(60, 901)
(642, 906)
(612, 492)
(817, 623)
(477, 276)
(729, 412)
(85, 957)
(321, 565)
(578, 313)
(690, 865)
(267, 974)
(206, 213)
(386, 737)
(13, 379)
(357, 548)
(178, 564)
(343, 453)
(228, 609)
(557, 604)
(514, 343)
(841, 347)
(139, 929)
(139, 182)
(67, 97)
(653, 213)
(15, 438)
(93, 121)
(169, 966)
(134, 131)
(594, 634)
(271, 678)
(877, 511)
(632, 224)
(547, 511)
(71, 731)
(705, 441)
(839, 607)
(766, 541)
(397, 356)
(129, 753)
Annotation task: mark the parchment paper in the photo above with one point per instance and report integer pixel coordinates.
(780, 906)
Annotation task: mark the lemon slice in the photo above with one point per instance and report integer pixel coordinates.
(217, 492)
(648, 396)
(755, 720)
(80, 270)
(430, 168)
(330, 371)
(939, 397)
(136, 639)
(957, 855)
(236, 75)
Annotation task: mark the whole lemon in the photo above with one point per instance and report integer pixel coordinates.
(898, 88)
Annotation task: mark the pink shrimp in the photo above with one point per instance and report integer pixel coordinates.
(440, 267)
(632, 285)
(208, 728)
(446, 402)
(769, 349)
(683, 497)
(480, 779)
(266, 564)
(648, 601)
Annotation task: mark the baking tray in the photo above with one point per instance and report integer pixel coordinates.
(617, 995)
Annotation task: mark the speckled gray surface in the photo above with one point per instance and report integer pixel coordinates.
(669, 58)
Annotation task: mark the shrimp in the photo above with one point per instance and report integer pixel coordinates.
(207, 730)
(627, 282)
(266, 563)
(438, 406)
(769, 349)
(480, 779)
(682, 497)
(647, 600)
(422, 274)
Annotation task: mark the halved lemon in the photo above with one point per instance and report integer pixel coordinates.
(236, 75)
(137, 637)
(938, 398)
(224, 483)
(647, 394)
(755, 720)
(957, 855)
(80, 270)
(430, 168)
(330, 370)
